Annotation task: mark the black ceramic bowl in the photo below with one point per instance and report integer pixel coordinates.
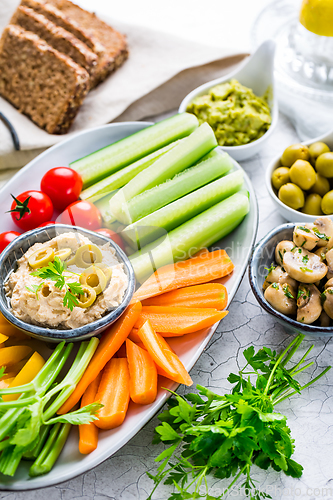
(15, 251)
(261, 260)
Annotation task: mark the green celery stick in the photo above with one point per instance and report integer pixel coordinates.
(51, 450)
(173, 215)
(182, 156)
(105, 161)
(123, 176)
(103, 206)
(187, 181)
(199, 232)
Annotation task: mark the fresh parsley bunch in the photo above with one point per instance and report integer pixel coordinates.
(226, 435)
(55, 271)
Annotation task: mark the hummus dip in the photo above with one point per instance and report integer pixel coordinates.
(46, 308)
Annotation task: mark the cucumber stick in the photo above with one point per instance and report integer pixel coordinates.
(182, 156)
(187, 181)
(173, 215)
(105, 161)
(124, 175)
(199, 232)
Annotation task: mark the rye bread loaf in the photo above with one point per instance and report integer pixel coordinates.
(59, 38)
(40, 81)
(108, 44)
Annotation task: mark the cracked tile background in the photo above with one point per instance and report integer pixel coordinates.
(123, 476)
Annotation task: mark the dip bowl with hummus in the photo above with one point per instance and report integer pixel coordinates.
(241, 107)
(62, 282)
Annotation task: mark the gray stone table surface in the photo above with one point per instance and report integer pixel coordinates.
(123, 476)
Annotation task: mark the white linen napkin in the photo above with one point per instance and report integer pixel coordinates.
(159, 73)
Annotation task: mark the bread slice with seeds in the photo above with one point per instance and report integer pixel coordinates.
(59, 38)
(40, 81)
(108, 44)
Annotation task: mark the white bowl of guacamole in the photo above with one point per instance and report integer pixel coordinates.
(241, 107)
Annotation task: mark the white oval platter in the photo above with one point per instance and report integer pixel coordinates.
(238, 244)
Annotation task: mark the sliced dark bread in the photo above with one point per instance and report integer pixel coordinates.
(40, 81)
(109, 45)
(59, 38)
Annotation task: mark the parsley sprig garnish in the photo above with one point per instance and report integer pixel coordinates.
(55, 271)
(226, 435)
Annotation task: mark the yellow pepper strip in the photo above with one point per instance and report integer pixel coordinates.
(5, 383)
(13, 371)
(26, 375)
(10, 330)
(13, 354)
(3, 339)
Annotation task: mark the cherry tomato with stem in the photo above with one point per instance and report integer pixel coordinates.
(6, 238)
(63, 185)
(115, 237)
(83, 214)
(30, 209)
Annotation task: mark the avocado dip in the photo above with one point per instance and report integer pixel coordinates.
(236, 115)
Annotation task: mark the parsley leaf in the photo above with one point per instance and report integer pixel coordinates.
(306, 269)
(269, 269)
(305, 259)
(35, 289)
(54, 271)
(287, 292)
(320, 235)
(303, 228)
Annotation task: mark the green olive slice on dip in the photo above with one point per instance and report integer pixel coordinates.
(87, 298)
(63, 253)
(87, 255)
(94, 278)
(106, 270)
(41, 257)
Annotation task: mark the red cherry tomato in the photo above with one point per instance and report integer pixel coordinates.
(83, 214)
(63, 185)
(112, 235)
(48, 223)
(30, 209)
(6, 238)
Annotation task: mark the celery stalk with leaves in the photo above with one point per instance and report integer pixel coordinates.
(23, 422)
(225, 436)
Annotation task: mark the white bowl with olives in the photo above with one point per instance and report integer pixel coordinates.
(300, 180)
(291, 275)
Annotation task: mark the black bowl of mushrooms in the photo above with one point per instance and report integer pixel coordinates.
(291, 276)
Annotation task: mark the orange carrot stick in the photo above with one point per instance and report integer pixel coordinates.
(114, 393)
(209, 295)
(89, 432)
(110, 342)
(143, 374)
(162, 355)
(202, 268)
(179, 320)
(133, 336)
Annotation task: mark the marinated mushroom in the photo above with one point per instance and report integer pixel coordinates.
(281, 297)
(278, 275)
(281, 248)
(304, 266)
(327, 297)
(324, 230)
(324, 319)
(321, 252)
(329, 283)
(305, 236)
(309, 306)
(329, 260)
